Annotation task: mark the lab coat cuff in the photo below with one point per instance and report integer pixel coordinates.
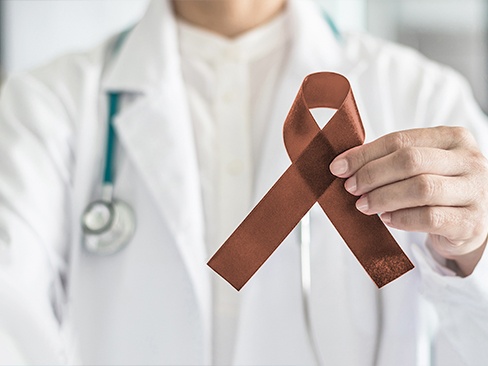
(441, 285)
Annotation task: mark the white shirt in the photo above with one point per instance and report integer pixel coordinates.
(230, 85)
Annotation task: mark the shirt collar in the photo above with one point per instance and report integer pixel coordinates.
(201, 43)
(149, 57)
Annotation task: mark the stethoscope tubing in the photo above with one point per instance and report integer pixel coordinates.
(108, 224)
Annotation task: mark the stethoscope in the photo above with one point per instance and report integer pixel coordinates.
(108, 223)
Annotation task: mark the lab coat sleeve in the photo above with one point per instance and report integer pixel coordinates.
(461, 303)
(35, 161)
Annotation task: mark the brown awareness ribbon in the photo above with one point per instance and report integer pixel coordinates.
(308, 180)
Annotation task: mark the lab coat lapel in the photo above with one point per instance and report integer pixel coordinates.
(154, 128)
(157, 136)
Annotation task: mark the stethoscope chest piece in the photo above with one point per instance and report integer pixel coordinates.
(108, 226)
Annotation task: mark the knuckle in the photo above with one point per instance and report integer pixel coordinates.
(434, 218)
(459, 132)
(406, 219)
(425, 188)
(479, 161)
(478, 228)
(362, 157)
(410, 159)
(356, 159)
(397, 141)
(366, 177)
(461, 135)
(401, 219)
(475, 220)
(377, 201)
(476, 175)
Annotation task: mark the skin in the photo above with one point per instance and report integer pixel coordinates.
(432, 180)
(229, 18)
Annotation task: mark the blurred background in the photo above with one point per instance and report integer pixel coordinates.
(454, 32)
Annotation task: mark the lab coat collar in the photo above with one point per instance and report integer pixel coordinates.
(148, 55)
(156, 133)
(155, 130)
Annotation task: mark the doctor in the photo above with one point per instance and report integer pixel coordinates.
(205, 87)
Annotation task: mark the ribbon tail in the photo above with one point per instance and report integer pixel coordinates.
(263, 230)
(366, 236)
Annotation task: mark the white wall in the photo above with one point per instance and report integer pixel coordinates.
(449, 31)
(35, 31)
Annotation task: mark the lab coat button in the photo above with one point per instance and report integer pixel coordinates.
(231, 54)
(235, 167)
(228, 96)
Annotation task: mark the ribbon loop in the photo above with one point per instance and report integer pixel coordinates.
(308, 180)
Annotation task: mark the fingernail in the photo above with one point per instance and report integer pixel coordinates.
(338, 167)
(350, 185)
(386, 218)
(362, 204)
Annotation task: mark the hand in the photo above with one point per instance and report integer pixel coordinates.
(433, 180)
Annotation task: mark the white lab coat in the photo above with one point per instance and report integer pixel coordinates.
(151, 303)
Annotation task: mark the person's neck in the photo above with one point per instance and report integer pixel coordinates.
(229, 18)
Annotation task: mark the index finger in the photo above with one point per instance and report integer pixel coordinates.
(446, 138)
